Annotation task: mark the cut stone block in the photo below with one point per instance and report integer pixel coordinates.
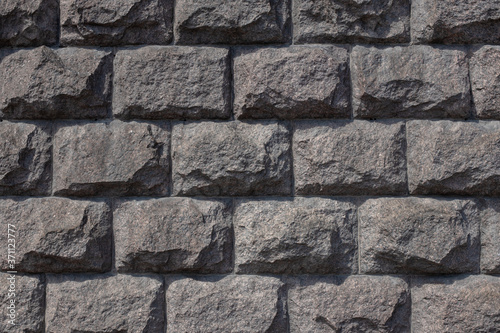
(490, 233)
(485, 80)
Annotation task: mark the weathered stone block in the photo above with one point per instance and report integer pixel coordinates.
(351, 304)
(25, 158)
(172, 82)
(102, 303)
(235, 22)
(415, 81)
(292, 82)
(461, 304)
(123, 22)
(28, 23)
(231, 158)
(173, 235)
(418, 236)
(349, 157)
(485, 81)
(226, 304)
(326, 21)
(490, 232)
(57, 235)
(296, 236)
(460, 158)
(115, 158)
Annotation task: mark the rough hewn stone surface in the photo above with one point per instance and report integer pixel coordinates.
(58, 234)
(349, 157)
(352, 304)
(173, 235)
(226, 304)
(235, 22)
(485, 80)
(28, 23)
(122, 22)
(461, 158)
(54, 83)
(415, 81)
(25, 158)
(326, 21)
(490, 233)
(115, 158)
(172, 82)
(101, 303)
(418, 236)
(300, 235)
(292, 82)
(462, 304)
(231, 158)
(451, 21)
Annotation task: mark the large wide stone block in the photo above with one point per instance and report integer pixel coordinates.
(231, 158)
(349, 157)
(485, 80)
(54, 83)
(57, 235)
(102, 303)
(418, 236)
(415, 81)
(295, 236)
(123, 22)
(115, 158)
(25, 158)
(292, 82)
(244, 304)
(349, 304)
(173, 235)
(447, 157)
(490, 233)
(157, 82)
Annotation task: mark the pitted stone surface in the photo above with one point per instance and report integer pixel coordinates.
(485, 81)
(292, 82)
(490, 232)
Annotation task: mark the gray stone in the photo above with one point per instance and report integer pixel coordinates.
(25, 158)
(451, 21)
(351, 304)
(157, 82)
(115, 158)
(57, 235)
(231, 158)
(235, 22)
(28, 23)
(295, 236)
(243, 304)
(490, 233)
(173, 235)
(27, 292)
(485, 81)
(349, 158)
(415, 81)
(102, 303)
(123, 22)
(327, 21)
(292, 82)
(418, 236)
(460, 158)
(461, 304)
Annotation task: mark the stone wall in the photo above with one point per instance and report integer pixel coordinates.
(250, 166)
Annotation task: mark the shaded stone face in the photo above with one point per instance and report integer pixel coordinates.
(225, 304)
(446, 157)
(44, 83)
(415, 81)
(462, 304)
(172, 82)
(352, 304)
(102, 303)
(235, 22)
(115, 158)
(490, 231)
(485, 80)
(292, 82)
(300, 235)
(123, 22)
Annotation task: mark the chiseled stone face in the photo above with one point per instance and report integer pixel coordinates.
(244, 304)
(485, 81)
(292, 82)
(490, 233)
(418, 236)
(295, 236)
